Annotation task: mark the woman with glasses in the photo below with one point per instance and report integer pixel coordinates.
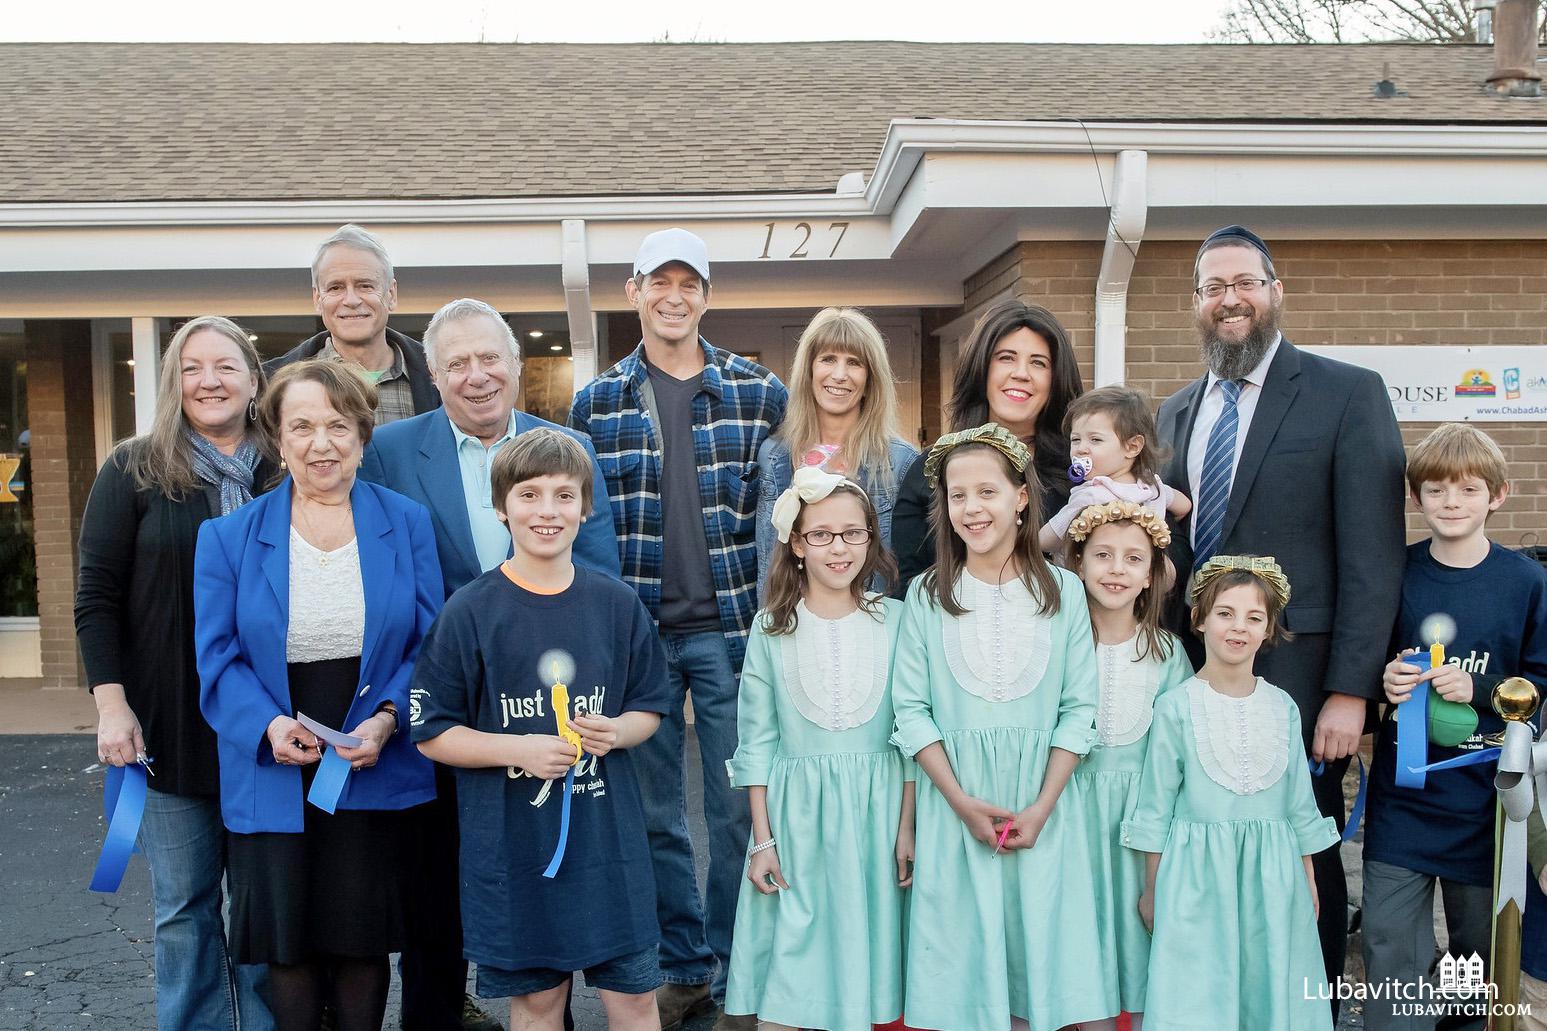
(1018, 370)
(842, 418)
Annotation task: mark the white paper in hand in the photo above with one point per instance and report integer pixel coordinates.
(328, 734)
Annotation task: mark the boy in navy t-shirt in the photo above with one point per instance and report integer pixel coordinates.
(1497, 599)
(556, 873)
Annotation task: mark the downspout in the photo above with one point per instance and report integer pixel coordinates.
(575, 270)
(1125, 230)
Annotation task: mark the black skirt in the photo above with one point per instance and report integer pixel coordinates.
(336, 889)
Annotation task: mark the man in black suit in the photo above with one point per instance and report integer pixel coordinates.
(1312, 475)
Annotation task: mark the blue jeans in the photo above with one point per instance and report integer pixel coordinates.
(693, 937)
(196, 984)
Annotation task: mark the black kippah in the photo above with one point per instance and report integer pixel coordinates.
(1236, 234)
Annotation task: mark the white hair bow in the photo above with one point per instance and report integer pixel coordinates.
(809, 484)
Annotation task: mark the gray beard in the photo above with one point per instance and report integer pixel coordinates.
(1230, 360)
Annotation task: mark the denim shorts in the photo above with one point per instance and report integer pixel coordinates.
(633, 974)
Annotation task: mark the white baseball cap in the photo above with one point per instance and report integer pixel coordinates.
(670, 245)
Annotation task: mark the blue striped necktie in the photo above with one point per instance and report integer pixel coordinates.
(1218, 470)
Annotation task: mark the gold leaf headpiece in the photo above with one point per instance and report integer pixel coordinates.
(990, 433)
(1089, 518)
(1262, 566)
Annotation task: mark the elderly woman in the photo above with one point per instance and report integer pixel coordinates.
(313, 600)
(202, 459)
(1017, 369)
(842, 416)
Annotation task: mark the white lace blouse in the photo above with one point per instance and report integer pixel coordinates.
(835, 669)
(999, 649)
(327, 602)
(1243, 743)
(1128, 689)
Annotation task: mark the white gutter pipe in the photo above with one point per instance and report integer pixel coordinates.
(575, 268)
(1125, 230)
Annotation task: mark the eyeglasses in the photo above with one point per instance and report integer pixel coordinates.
(822, 538)
(487, 362)
(1240, 286)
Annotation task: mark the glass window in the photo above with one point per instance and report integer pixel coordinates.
(18, 560)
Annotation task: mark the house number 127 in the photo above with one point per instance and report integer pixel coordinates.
(803, 231)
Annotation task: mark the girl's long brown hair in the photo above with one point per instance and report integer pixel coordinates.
(787, 582)
(1149, 606)
(951, 551)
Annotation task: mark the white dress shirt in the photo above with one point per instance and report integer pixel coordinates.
(1209, 411)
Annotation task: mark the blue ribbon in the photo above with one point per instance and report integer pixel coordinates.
(1477, 758)
(123, 805)
(1356, 814)
(328, 785)
(1413, 730)
(558, 853)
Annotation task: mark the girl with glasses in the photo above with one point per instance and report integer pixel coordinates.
(818, 938)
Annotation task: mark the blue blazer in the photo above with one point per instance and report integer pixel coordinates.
(418, 457)
(241, 599)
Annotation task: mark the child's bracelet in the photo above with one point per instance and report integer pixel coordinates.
(764, 847)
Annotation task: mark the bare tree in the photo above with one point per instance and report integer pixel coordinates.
(1349, 21)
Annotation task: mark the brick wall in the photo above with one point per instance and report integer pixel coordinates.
(59, 405)
(1437, 292)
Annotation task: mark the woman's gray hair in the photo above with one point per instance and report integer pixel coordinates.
(467, 308)
(355, 238)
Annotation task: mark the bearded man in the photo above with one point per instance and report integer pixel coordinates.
(1296, 456)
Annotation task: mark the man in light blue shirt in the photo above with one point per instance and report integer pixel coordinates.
(442, 460)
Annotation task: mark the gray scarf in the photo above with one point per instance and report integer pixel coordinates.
(231, 473)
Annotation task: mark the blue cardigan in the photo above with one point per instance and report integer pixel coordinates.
(418, 457)
(241, 597)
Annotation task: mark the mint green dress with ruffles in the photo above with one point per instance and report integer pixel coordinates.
(1226, 800)
(1106, 786)
(814, 718)
(995, 935)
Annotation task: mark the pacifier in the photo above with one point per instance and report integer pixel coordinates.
(1080, 468)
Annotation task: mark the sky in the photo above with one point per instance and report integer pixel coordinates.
(609, 21)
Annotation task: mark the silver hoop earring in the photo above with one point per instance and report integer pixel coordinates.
(252, 409)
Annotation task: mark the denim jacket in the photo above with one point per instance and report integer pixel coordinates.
(775, 470)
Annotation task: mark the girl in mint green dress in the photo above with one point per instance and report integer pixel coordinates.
(1118, 549)
(995, 693)
(819, 923)
(1226, 818)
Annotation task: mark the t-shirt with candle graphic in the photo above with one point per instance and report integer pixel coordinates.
(494, 661)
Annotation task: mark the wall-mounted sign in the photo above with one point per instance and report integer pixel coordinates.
(1456, 384)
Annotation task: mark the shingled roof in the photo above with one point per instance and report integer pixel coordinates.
(167, 122)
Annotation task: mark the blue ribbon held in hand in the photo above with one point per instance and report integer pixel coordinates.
(558, 853)
(123, 806)
(1413, 729)
(1356, 814)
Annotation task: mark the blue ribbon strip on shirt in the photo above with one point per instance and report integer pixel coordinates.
(1485, 755)
(123, 805)
(1413, 730)
(1356, 814)
(328, 785)
(558, 853)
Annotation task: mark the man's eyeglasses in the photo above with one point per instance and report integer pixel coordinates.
(1241, 287)
(822, 538)
(487, 362)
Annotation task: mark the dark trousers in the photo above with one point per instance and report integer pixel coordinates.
(433, 971)
(1331, 882)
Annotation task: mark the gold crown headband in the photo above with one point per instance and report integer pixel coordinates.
(1262, 566)
(990, 433)
(1089, 518)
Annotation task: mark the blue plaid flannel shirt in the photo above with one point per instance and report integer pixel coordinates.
(741, 403)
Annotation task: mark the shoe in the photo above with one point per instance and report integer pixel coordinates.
(739, 1022)
(680, 1002)
(475, 1019)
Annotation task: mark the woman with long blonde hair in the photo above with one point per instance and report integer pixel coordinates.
(842, 417)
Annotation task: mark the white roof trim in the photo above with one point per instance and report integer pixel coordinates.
(907, 141)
